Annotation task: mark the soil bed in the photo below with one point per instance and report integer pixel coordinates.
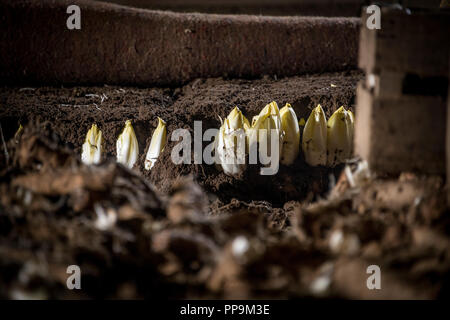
(71, 111)
(144, 235)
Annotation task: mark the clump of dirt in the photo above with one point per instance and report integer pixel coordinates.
(71, 111)
(131, 241)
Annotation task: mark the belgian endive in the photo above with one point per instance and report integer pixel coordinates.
(269, 119)
(339, 137)
(92, 147)
(230, 143)
(291, 139)
(157, 144)
(127, 146)
(314, 139)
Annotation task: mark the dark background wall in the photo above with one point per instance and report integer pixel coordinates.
(327, 8)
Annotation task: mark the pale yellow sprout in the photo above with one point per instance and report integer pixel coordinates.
(91, 151)
(339, 137)
(314, 138)
(157, 144)
(236, 120)
(301, 122)
(127, 146)
(230, 143)
(291, 139)
(269, 120)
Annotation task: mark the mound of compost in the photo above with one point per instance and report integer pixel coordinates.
(123, 45)
(71, 111)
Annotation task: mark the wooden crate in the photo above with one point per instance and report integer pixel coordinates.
(415, 43)
(398, 134)
(401, 111)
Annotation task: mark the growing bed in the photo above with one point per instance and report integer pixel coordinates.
(190, 231)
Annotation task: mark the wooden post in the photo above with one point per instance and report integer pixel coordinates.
(401, 104)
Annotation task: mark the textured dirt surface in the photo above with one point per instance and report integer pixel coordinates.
(190, 231)
(130, 46)
(71, 111)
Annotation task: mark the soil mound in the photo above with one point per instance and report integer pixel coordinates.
(71, 111)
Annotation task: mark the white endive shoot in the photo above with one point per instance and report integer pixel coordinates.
(314, 138)
(268, 122)
(269, 118)
(291, 139)
(157, 144)
(92, 147)
(127, 146)
(339, 137)
(230, 143)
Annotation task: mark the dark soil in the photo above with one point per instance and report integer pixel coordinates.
(211, 236)
(73, 110)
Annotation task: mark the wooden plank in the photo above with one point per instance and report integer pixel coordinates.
(397, 134)
(406, 43)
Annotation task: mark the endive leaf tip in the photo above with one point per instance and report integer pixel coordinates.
(127, 146)
(228, 151)
(286, 107)
(234, 112)
(157, 145)
(274, 106)
(319, 110)
(92, 147)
